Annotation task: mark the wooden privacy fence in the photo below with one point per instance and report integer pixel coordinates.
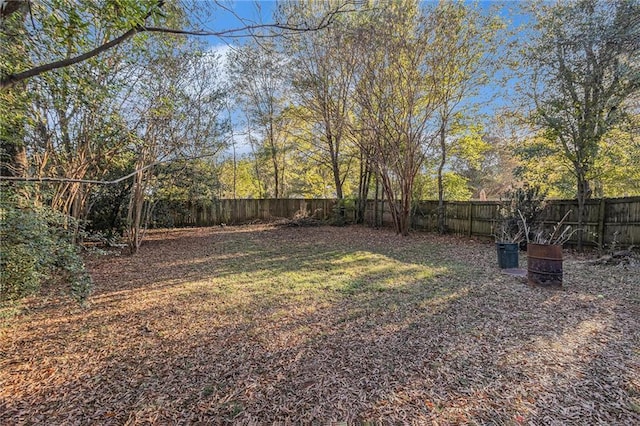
(609, 220)
(247, 210)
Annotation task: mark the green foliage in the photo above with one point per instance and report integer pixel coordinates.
(108, 209)
(194, 181)
(468, 146)
(526, 203)
(455, 186)
(341, 211)
(21, 273)
(614, 172)
(37, 245)
(583, 59)
(241, 182)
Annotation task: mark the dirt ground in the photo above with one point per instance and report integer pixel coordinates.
(261, 324)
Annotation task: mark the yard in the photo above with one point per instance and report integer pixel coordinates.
(258, 324)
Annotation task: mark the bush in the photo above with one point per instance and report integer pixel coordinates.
(37, 243)
(520, 204)
(342, 209)
(528, 201)
(20, 272)
(108, 213)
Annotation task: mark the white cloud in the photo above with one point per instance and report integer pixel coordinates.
(221, 52)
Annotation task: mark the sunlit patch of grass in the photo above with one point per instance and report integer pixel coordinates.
(295, 278)
(440, 299)
(379, 273)
(285, 284)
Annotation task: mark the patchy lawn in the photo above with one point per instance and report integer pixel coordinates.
(259, 324)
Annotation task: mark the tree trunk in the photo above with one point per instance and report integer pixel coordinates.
(400, 206)
(407, 196)
(336, 178)
(584, 193)
(276, 173)
(363, 188)
(376, 201)
(443, 159)
(136, 206)
(16, 159)
(235, 169)
(387, 190)
(334, 151)
(135, 214)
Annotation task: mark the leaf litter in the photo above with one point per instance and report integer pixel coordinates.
(260, 324)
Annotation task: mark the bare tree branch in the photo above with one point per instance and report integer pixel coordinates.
(245, 31)
(11, 79)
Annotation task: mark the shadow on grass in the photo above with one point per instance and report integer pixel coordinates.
(305, 325)
(267, 254)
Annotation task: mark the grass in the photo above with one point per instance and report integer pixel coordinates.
(260, 324)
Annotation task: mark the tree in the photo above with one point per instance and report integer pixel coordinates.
(616, 169)
(614, 172)
(493, 174)
(467, 149)
(397, 95)
(324, 69)
(464, 44)
(259, 82)
(246, 182)
(75, 128)
(175, 113)
(584, 65)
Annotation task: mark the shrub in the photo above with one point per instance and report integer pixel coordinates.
(342, 209)
(520, 204)
(20, 272)
(528, 201)
(36, 244)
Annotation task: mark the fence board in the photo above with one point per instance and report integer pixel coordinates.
(612, 221)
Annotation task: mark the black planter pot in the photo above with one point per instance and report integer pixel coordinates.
(507, 255)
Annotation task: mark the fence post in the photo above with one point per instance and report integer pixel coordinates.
(470, 218)
(602, 212)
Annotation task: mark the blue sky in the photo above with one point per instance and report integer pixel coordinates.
(241, 13)
(252, 11)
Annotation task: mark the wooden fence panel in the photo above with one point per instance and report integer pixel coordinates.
(243, 211)
(457, 214)
(425, 216)
(554, 212)
(613, 221)
(622, 221)
(608, 221)
(485, 214)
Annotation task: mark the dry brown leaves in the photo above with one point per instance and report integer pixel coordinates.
(256, 325)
